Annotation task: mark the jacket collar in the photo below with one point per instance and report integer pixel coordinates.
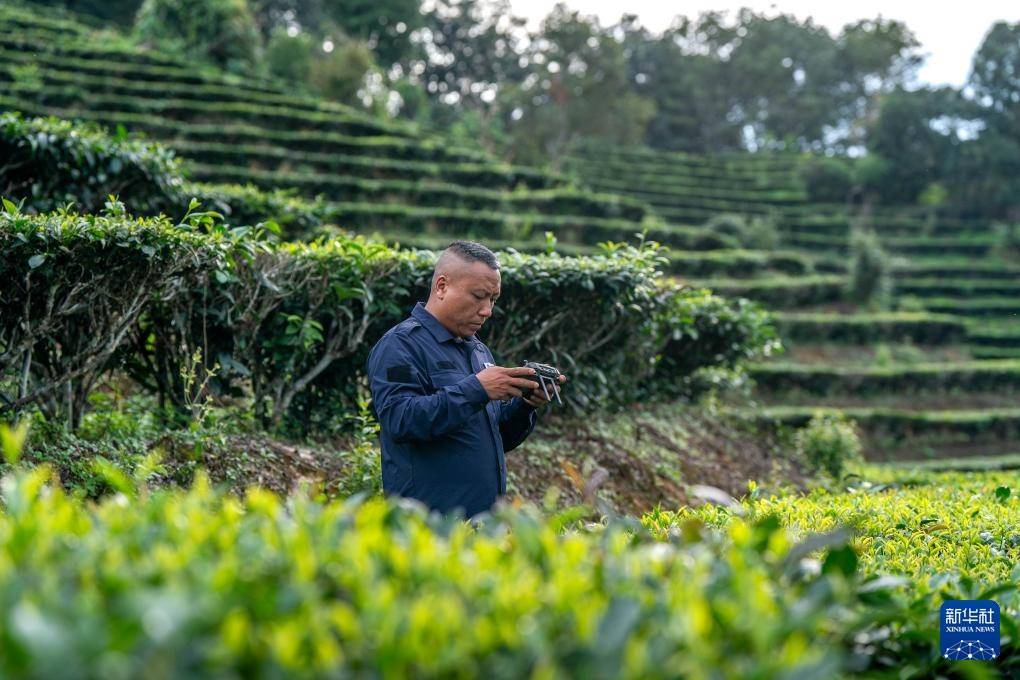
(431, 323)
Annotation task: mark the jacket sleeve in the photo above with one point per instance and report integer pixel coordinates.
(516, 421)
(399, 385)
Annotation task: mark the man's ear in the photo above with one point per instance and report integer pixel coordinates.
(441, 286)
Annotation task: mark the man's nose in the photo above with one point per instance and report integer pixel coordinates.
(486, 310)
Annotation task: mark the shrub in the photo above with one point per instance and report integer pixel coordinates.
(289, 324)
(1007, 240)
(74, 288)
(289, 57)
(297, 218)
(827, 180)
(728, 224)
(222, 31)
(702, 330)
(762, 233)
(870, 275)
(49, 163)
(201, 584)
(341, 74)
(828, 443)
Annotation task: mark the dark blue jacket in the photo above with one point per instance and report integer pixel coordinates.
(443, 440)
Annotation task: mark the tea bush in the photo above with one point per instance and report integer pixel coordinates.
(48, 163)
(289, 325)
(829, 442)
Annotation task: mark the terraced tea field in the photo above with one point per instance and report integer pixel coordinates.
(934, 376)
(374, 176)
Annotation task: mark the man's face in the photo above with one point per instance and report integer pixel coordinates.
(467, 298)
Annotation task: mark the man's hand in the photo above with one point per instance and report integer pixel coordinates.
(537, 397)
(502, 383)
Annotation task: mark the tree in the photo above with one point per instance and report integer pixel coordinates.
(578, 88)
(692, 98)
(916, 140)
(221, 31)
(470, 49)
(767, 81)
(384, 25)
(995, 76)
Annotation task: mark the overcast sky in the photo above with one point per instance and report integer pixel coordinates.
(949, 33)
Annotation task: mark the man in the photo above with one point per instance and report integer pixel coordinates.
(447, 413)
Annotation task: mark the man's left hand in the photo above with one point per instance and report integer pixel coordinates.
(537, 398)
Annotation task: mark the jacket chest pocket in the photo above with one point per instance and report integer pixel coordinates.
(446, 377)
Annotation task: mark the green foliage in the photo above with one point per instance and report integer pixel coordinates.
(220, 31)
(905, 531)
(870, 278)
(341, 75)
(827, 180)
(289, 57)
(782, 292)
(912, 150)
(120, 12)
(762, 233)
(76, 285)
(1007, 240)
(730, 224)
(202, 584)
(994, 74)
(49, 163)
(1001, 377)
(866, 329)
(824, 585)
(288, 325)
(580, 90)
(829, 443)
(385, 24)
(294, 217)
(706, 331)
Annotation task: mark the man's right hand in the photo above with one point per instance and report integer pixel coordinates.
(502, 383)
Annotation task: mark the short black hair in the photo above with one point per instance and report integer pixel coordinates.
(472, 251)
(468, 251)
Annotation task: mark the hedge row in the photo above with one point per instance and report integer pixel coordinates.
(428, 193)
(782, 292)
(290, 324)
(743, 165)
(682, 190)
(201, 584)
(965, 268)
(269, 116)
(987, 306)
(120, 78)
(899, 245)
(386, 219)
(956, 287)
(49, 155)
(98, 59)
(867, 329)
(388, 147)
(50, 163)
(825, 225)
(685, 263)
(692, 215)
(1000, 377)
(899, 428)
(686, 202)
(270, 157)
